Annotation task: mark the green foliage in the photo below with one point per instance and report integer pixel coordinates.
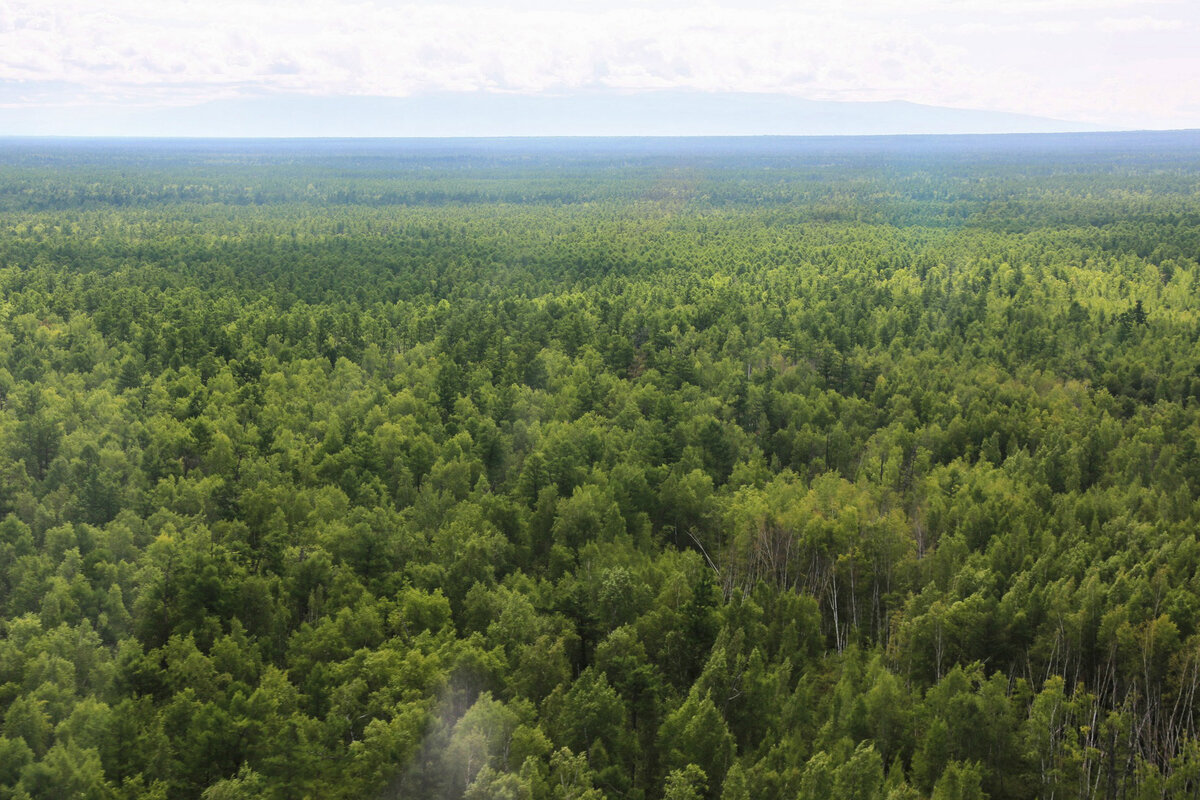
(533, 470)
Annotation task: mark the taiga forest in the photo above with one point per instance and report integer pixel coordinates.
(570, 469)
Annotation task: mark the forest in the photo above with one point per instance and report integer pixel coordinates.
(711, 469)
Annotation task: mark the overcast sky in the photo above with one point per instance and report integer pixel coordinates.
(1116, 63)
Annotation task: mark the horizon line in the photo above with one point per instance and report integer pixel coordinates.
(580, 136)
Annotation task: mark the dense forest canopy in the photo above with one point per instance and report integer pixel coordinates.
(723, 469)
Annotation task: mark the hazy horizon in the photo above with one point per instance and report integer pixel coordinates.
(481, 115)
(227, 67)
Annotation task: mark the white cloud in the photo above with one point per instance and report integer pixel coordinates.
(1138, 24)
(968, 53)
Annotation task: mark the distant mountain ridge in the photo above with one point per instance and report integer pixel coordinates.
(659, 113)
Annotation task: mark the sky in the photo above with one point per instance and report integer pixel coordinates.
(1115, 64)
